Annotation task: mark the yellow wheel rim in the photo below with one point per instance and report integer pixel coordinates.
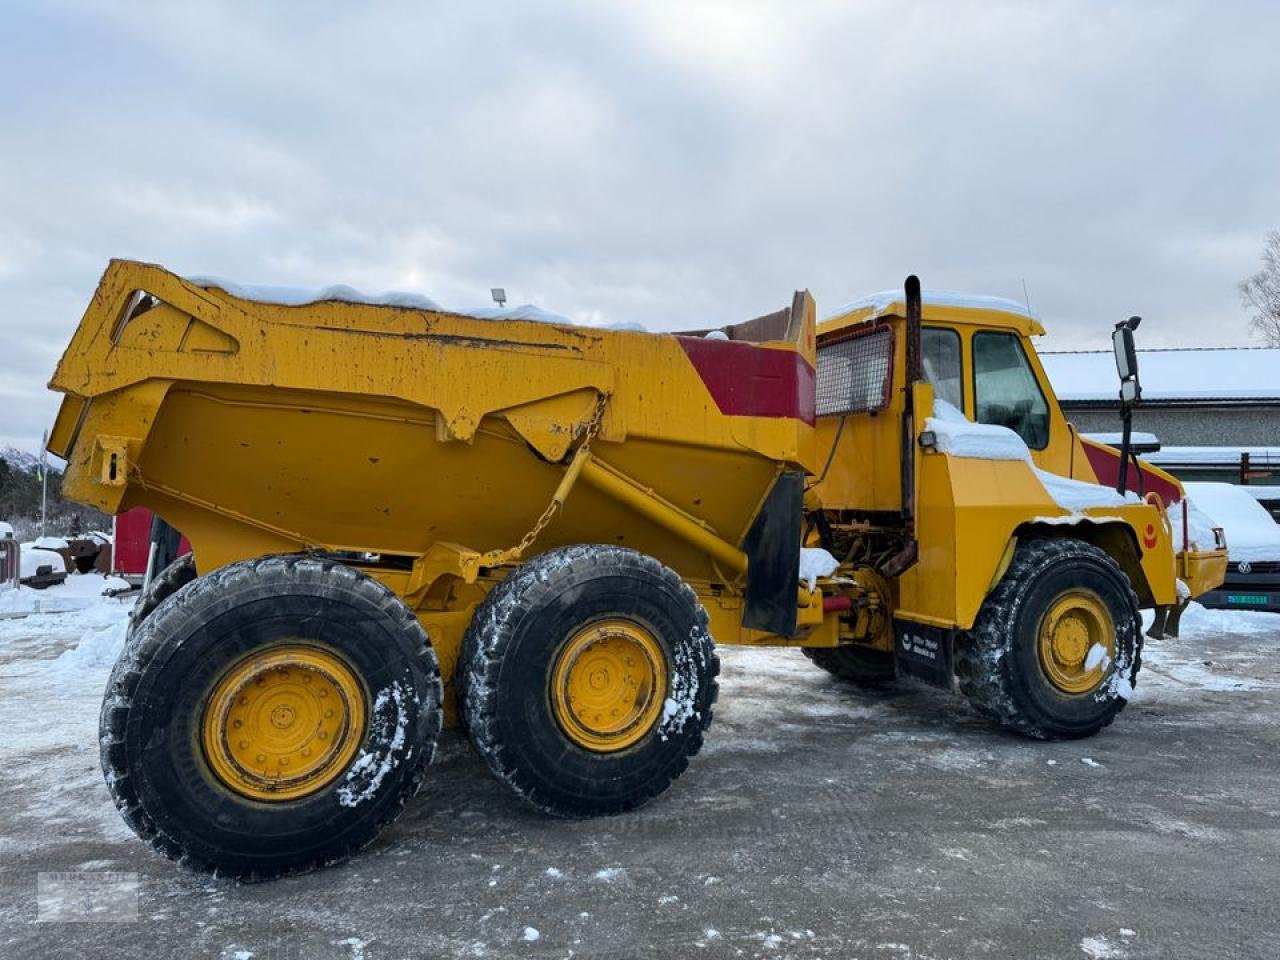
(283, 723)
(1076, 623)
(608, 685)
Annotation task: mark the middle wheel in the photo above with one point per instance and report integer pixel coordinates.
(587, 678)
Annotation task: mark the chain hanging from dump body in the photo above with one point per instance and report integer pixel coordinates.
(494, 558)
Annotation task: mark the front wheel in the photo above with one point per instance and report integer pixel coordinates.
(1056, 648)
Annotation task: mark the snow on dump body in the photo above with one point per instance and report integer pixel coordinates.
(1251, 533)
(894, 301)
(299, 296)
(958, 436)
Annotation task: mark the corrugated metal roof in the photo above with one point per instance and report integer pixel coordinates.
(1197, 374)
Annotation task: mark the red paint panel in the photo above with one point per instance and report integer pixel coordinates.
(750, 381)
(133, 533)
(133, 542)
(1106, 464)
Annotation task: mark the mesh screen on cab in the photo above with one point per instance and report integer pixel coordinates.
(853, 375)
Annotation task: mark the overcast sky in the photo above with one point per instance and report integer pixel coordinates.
(683, 164)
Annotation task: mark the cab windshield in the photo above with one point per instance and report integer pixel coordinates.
(1005, 389)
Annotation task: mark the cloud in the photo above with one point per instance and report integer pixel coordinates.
(674, 164)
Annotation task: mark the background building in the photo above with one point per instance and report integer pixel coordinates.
(1215, 411)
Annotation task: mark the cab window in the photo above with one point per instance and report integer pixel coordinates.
(1005, 390)
(940, 350)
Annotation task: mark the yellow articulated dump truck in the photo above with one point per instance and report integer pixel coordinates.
(402, 516)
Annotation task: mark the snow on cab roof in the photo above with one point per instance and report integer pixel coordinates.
(888, 302)
(1171, 374)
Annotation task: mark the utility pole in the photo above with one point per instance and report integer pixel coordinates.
(44, 481)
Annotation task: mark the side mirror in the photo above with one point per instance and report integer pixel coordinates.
(1125, 351)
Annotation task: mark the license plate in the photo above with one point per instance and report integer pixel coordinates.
(1248, 599)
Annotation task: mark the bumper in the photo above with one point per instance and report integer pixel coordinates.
(1202, 570)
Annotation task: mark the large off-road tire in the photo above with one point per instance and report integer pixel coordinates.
(1026, 663)
(856, 665)
(163, 585)
(270, 717)
(587, 679)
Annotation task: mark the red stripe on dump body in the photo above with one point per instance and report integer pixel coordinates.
(1106, 464)
(750, 381)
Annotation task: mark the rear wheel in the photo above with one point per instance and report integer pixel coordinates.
(1057, 645)
(857, 665)
(270, 717)
(587, 679)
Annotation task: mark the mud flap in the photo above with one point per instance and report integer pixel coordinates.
(773, 558)
(923, 652)
(1166, 621)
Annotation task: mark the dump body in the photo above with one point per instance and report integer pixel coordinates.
(392, 435)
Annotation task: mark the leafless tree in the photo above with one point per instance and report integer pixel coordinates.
(1261, 293)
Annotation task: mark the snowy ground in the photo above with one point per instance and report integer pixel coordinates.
(820, 821)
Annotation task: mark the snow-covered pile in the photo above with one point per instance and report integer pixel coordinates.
(957, 435)
(32, 556)
(299, 296)
(1251, 532)
(6, 530)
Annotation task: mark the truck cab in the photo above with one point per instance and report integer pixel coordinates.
(950, 479)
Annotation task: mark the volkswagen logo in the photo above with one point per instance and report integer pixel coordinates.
(1244, 566)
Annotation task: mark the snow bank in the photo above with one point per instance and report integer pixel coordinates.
(882, 303)
(814, 563)
(1251, 532)
(80, 591)
(299, 296)
(98, 649)
(17, 601)
(6, 530)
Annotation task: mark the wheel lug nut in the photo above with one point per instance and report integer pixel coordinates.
(261, 757)
(244, 744)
